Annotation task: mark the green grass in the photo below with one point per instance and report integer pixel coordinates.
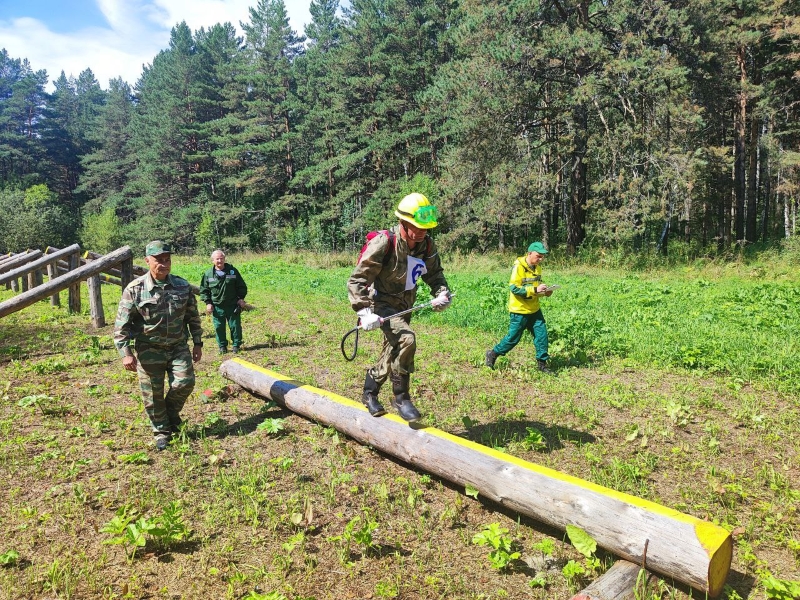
(677, 385)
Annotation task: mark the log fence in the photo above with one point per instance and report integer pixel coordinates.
(65, 270)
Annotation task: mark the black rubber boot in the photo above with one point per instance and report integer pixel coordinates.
(370, 397)
(543, 367)
(491, 357)
(402, 399)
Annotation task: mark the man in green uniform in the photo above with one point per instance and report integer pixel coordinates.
(525, 288)
(385, 282)
(223, 290)
(154, 313)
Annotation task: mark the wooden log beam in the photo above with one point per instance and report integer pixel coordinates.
(39, 263)
(63, 267)
(685, 548)
(69, 280)
(623, 581)
(18, 260)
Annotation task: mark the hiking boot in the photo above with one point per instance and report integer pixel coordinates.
(402, 399)
(370, 396)
(543, 367)
(162, 440)
(406, 409)
(223, 350)
(491, 357)
(236, 349)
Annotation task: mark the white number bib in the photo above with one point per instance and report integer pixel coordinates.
(416, 269)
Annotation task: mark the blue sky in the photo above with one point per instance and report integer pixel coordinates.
(113, 38)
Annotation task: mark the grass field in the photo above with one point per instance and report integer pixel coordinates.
(680, 386)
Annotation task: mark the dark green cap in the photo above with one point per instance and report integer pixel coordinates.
(537, 247)
(157, 247)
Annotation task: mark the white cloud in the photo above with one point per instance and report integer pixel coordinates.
(137, 30)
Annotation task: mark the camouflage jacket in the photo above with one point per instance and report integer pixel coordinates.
(158, 315)
(389, 276)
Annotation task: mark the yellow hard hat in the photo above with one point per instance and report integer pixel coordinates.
(417, 210)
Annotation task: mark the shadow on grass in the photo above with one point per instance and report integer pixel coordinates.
(278, 343)
(531, 435)
(249, 424)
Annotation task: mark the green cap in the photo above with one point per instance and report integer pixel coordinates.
(157, 247)
(537, 247)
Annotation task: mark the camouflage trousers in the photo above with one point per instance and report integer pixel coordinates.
(399, 346)
(155, 364)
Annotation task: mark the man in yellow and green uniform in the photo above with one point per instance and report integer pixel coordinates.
(525, 287)
(384, 283)
(156, 314)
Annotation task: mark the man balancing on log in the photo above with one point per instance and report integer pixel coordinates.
(383, 283)
(155, 312)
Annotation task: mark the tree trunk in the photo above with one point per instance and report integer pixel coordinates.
(740, 125)
(751, 234)
(576, 217)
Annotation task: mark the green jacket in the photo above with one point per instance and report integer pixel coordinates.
(157, 314)
(389, 276)
(223, 291)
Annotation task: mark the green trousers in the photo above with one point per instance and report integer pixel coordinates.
(224, 317)
(518, 325)
(155, 365)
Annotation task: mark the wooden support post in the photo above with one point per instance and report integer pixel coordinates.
(74, 294)
(621, 582)
(24, 283)
(52, 273)
(695, 552)
(96, 302)
(14, 285)
(126, 272)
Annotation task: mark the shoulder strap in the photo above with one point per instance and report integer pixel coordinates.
(392, 242)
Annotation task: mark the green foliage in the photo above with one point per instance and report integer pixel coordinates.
(32, 218)
(166, 530)
(355, 534)
(101, 232)
(582, 541)
(272, 426)
(135, 458)
(779, 589)
(502, 555)
(9, 558)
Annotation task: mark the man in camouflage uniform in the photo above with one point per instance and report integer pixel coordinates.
(385, 282)
(155, 312)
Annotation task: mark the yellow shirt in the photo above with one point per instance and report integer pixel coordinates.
(523, 283)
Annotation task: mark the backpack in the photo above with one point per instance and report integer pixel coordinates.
(392, 244)
(373, 234)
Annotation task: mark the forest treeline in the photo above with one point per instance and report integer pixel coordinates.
(614, 123)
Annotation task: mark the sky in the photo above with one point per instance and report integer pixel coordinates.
(113, 38)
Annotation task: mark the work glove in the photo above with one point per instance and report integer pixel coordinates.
(368, 319)
(441, 301)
